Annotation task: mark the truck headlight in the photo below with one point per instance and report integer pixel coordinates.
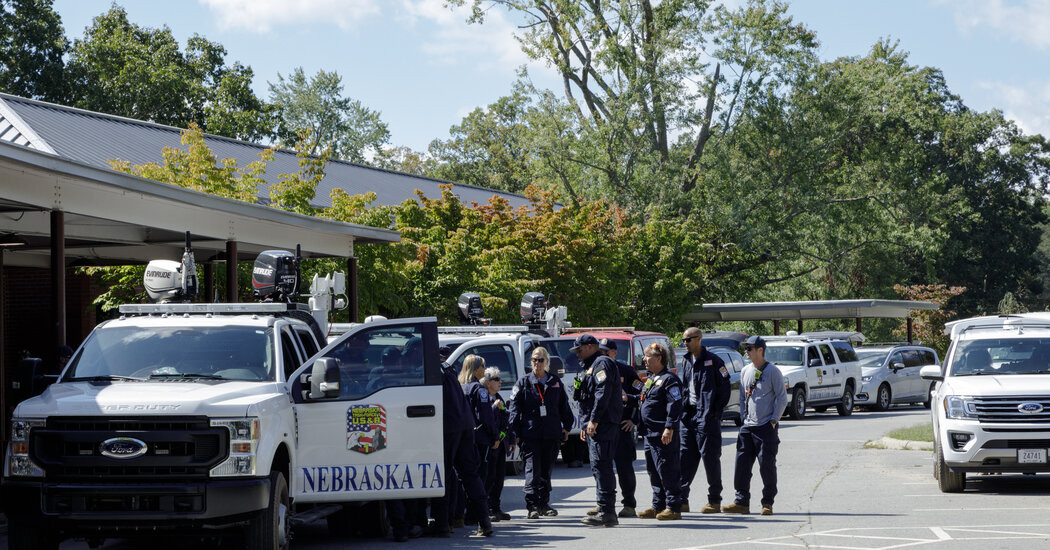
(244, 441)
(865, 379)
(19, 462)
(960, 407)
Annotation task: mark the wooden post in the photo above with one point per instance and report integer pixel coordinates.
(58, 282)
(231, 272)
(776, 327)
(910, 340)
(859, 328)
(800, 331)
(351, 291)
(209, 282)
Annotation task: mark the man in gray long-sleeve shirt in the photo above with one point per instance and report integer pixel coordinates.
(763, 399)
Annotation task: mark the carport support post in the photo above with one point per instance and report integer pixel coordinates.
(776, 327)
(909, 331)
(351, 280)
(231, 272)
(209, 282)
(58, 282)
(859, 328)
(800, 331)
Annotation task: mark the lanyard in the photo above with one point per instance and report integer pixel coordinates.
(539, 391)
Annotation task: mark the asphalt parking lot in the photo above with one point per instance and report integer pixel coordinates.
(834, 493)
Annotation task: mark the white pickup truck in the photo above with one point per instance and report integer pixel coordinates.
(991, 408)
(819, 373)
(180, 418)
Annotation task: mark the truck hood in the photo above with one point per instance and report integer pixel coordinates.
(147, 398)
(1003, 385)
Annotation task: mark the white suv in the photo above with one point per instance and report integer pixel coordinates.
(819, 373)
(991, 410)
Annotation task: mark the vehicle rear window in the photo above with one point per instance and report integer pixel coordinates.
(844, 351)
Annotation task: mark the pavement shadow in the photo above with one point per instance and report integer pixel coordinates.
(1008, 484)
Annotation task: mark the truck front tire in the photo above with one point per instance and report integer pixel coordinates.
(797, 405)
(947, 480)
(271, 528)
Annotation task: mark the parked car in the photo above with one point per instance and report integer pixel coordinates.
(991, 409)
(890, 375)
(630, 346)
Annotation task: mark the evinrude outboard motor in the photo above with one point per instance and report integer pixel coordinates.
(275, 276)
(470, 310)
(533, 306)
(170, 281)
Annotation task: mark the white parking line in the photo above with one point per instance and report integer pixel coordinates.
(866, 540)
(968, 509)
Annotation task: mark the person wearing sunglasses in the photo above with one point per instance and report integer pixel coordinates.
(661, 414)
(540, 418)
(707, 390)
(763, 399)
(504, 444)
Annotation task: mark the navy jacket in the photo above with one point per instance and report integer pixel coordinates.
(454, 404)
(485, 430)
(662, 402)
(525, 401)
(632, 388)
(603, 400)
(709, 378)
(502, 416)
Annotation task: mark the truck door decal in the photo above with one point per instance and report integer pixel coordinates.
(366, 428)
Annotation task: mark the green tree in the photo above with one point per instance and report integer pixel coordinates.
(121, 68)
(316, 105)
(32, 44)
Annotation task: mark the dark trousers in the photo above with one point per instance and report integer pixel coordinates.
(665, 475)
(461, 461)
(761, 442)
(624, 456)
(601, 451)
(539, 455)
(702, 444)
(496, 476)
(460, 510)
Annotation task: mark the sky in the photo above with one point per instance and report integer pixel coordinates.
(423, 67)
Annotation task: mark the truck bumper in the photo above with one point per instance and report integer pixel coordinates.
(99, 509)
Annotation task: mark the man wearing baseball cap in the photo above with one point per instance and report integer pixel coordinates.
(763, 399)
(601, 407)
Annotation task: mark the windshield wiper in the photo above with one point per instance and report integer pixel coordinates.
(186, 375)
(104, 378)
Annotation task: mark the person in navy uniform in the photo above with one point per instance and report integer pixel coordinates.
(624, 453)
(461, 458)
(661, 413)
(471, 377)
(706, 386)
(498, 451)
(540, 418)
(601, 409)
(763, 399)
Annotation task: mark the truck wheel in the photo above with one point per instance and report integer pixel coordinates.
(947, 480)
(845, 407)
(797, 406)
(882, 398)
(929, 395)
(270, 529)
(29, 537)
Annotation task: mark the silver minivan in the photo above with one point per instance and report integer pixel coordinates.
(890, 375)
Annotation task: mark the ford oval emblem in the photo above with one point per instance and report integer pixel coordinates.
(1030, 408)
(123, 447)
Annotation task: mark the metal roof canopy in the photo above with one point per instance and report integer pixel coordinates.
(113, 218)
(818, 309)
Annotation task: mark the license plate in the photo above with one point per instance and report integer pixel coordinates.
(1031, 456)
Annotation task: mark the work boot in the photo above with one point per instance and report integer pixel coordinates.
(767, 510)
(483, 531)
(503, 515)
(534, 514)
(494, 518)
(627, 512)
(685, 507)
(596, 511)
(607, 520)
(665, 515)
(735, 508)
(458, 523)
(548, 512)
(711, 508)
(648, 513)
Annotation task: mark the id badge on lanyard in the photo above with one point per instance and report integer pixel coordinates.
(543, 402)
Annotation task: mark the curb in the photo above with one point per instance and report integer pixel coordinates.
(901, 444)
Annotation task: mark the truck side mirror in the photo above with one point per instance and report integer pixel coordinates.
(814, 362)
(324, 378)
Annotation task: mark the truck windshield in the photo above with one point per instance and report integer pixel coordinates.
(784, 356)
(1002, 356)
(871, 358)
(176, 353)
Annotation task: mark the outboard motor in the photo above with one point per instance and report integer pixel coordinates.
(171, 281)
(533, 306)
(470, 310)
(275, 276)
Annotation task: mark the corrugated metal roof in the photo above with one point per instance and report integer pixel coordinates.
(816, 309)
(94, 138)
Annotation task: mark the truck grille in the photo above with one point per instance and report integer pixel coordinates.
(1001, 410)
(69, 448)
